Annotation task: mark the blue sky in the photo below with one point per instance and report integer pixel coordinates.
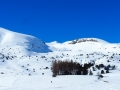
(62, 20)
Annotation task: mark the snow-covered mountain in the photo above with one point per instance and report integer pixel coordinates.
(25, 62)
(20, 42)
(84, 44)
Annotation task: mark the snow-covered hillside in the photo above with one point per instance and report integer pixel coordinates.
(85, 44)
(25, 63)
(18, 42)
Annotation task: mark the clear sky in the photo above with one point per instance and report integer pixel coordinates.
(62, 20)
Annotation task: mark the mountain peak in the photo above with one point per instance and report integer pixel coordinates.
(27, 42)
(80, 40)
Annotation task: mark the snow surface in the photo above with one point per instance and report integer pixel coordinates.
(24, 58)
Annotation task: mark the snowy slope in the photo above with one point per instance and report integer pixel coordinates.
(25, 63)
(12, 40)
(84, 44)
